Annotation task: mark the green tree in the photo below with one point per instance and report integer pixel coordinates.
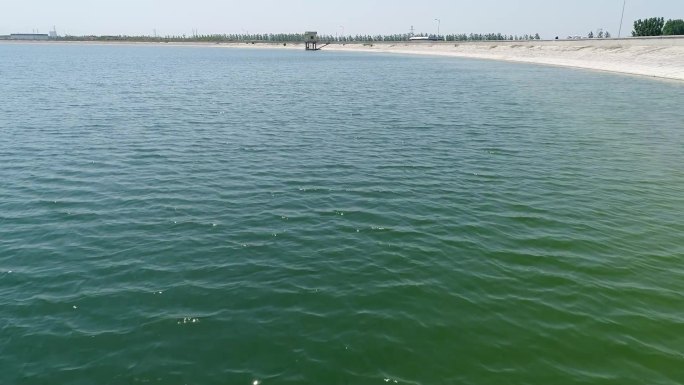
(590, 35)
(649, 27)
(674, 27)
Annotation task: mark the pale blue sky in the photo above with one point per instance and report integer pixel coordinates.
(133, 17)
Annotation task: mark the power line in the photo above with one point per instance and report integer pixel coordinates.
(624, 3)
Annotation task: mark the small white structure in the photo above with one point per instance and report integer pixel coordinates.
(427, 38)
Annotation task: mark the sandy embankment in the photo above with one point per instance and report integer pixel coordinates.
(655, 57)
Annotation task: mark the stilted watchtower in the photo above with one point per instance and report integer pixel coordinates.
(311, 40)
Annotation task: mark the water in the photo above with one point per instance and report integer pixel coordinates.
(180, 215)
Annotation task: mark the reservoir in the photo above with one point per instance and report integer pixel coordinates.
(198, 215)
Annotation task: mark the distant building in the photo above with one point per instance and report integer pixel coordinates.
(311, 40)
(28, 36)
(311, 36)
(424, 38)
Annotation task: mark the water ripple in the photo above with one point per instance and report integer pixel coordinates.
(184, 215)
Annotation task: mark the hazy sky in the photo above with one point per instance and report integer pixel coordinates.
(176, 17)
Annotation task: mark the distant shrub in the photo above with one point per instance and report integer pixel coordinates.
(674, 27)
(649, 27)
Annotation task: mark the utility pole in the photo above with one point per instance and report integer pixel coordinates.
(439, 22)
(622, 18)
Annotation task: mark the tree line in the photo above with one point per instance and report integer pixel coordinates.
(491, 36)
(600, 34)
(656, 26)
(297, 37)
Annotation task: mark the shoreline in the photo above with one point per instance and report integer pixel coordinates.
(656, 58)
(651, 57)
